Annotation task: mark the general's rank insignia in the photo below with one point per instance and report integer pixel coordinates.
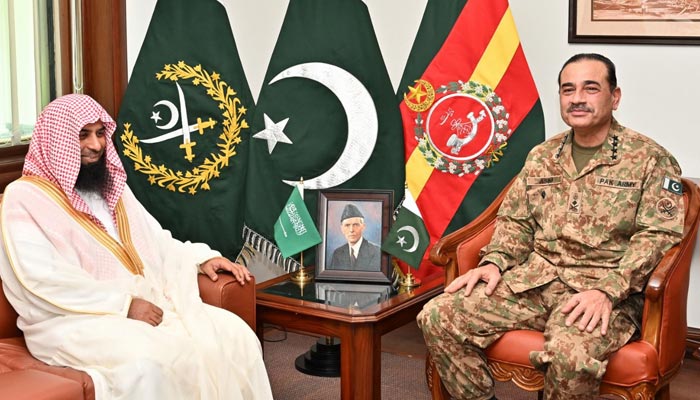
(672, 186)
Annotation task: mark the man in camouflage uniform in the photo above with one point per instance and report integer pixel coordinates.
(585, 222)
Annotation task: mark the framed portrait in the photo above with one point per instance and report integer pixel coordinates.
(352, 295)
(634, 21)
(353, 224)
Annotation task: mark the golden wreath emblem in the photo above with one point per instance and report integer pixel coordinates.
(199, 176)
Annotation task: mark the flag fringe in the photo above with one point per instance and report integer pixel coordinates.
(255, 242)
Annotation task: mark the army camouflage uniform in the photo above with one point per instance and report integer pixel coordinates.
(560, 232)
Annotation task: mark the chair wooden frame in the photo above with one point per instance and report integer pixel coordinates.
(664, 326)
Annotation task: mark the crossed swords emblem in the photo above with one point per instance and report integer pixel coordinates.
(184, 130)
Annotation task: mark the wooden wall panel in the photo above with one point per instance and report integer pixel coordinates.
(104, 52)
(104, 66)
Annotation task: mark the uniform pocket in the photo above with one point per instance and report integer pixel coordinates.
(544, 196)
(609, 212)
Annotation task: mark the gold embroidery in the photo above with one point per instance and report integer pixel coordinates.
(126, 253)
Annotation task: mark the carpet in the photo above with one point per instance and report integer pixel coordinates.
(403, 376)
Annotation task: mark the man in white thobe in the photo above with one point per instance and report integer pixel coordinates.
(99, 286)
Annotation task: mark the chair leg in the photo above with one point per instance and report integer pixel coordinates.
(540, 394)
(664, 393)
(437, 389)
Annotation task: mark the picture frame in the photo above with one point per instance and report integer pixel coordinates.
(333, 258)
(661, 22)
(352, 295)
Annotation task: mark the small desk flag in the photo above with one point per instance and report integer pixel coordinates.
(408, 238)
(295, 230)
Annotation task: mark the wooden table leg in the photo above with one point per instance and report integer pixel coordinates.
(360, 363)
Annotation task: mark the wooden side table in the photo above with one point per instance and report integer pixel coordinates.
(359, 326)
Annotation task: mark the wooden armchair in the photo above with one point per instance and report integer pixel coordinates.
(640, 370)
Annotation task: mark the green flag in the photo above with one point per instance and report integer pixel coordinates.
(295, 230)
(326, 113)
(408, 238)
(182, 127)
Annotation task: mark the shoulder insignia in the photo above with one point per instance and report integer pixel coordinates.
(672, 185)
(666, 208)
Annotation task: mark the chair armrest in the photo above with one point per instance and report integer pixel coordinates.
(230, 295)
(31, 384)
(666, 293)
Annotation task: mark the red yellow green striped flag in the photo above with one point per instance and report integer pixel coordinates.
(470, 118)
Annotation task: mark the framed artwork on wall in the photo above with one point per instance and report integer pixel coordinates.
(353, 224)
(634, 21)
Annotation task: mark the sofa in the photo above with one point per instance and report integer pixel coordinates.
(24, 377)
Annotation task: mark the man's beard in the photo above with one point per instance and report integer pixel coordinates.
(93, 177)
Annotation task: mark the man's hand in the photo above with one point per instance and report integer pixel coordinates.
(592, 306)
(488, 273)
(144, 310)
(239, 272)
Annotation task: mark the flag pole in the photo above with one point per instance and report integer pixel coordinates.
(300, 276)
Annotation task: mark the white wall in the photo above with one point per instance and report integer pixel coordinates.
(658, 82)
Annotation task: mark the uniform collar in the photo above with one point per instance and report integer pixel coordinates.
(609, 154)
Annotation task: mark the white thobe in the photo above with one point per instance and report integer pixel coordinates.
(69, 282)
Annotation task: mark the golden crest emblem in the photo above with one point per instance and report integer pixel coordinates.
(229, 133)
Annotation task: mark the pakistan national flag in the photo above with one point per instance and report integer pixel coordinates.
(408, 239)
(326, 113)
(183, 130)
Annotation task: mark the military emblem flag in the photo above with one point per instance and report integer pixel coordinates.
(182, 126)
(471, 116)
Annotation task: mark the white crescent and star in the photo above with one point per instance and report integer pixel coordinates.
(174, 114)
(402, 240)
(273, 133)
(361, 115)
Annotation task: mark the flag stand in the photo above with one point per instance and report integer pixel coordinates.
(408, 281)
(300, 276)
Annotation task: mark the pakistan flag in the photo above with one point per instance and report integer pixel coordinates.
(182, 128)
(326, 113)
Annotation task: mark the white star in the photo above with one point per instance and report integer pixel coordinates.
(401, 241)
(273, 133)
(155, 116)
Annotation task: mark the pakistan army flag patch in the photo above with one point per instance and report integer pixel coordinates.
(672, 186)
